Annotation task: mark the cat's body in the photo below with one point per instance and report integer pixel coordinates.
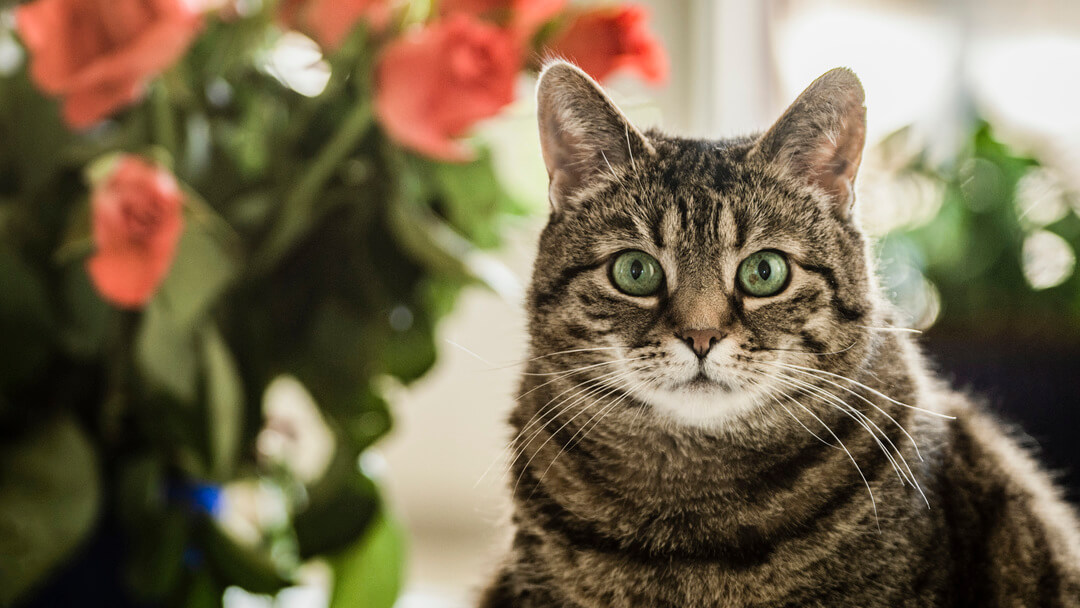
(648, 476)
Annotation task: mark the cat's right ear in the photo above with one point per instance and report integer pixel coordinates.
(583, 134)
(820, 137)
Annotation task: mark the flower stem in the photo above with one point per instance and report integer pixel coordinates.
(298, 210)
(118, 397)
(164, 123)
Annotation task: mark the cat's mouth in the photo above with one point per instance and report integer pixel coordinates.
(701, 381)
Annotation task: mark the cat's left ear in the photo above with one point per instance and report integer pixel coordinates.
(820, 137)
(583, 134)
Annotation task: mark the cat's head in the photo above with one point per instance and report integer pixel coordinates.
(688, 273)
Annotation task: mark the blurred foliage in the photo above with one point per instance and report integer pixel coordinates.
(374, 565)
(998, 256)
(313, 247)
(49, 498)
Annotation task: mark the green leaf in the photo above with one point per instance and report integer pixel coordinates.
(343, 505)
(368, 574)
(166, 344)
(200, 273)
(24, 318)
(158, 555)
(235, 564)
(101, 168)
(300, 207)
(225, 404)
(368, 421)
(165, 353)
(409, 354)
(247, 141)
(429, 240)
(49, 499)
(434, 244)
(87, 315)
(474, 198)
(39, 146)
(78, 241)
(138, 495)
(202, 592)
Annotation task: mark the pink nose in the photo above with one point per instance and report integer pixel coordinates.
(700, 340)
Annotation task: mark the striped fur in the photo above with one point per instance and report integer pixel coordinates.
(634, 488)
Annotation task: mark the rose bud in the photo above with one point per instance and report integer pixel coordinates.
(137, 223)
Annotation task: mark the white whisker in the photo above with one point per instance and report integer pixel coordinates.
(555, 354)
(583, 368)
(876, 392)
(896, 329)
(873, 501)
(540, 414)
(871, 403)
(552, 436)
(610, 168)
(909, 476)
(831, 400)
(584, 386)
(562, 407)
(467, 351)
(807, 352)
(796, 418)
(601, 413)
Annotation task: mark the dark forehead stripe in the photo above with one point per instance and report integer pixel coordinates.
(556, 290)
(621, 223)
(702, 177)
(697, 180)
(694, 182)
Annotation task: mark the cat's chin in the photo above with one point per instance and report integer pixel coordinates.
(701, 403)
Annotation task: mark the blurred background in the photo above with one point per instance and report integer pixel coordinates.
(970, 187)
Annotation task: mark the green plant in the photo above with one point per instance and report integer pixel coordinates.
(194, 206)
(998, 255)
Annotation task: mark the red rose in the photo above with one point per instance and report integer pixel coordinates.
(330, 21)
(434, 83)
(521, 16)
(98, 54)
(137, 224)
(605, 40)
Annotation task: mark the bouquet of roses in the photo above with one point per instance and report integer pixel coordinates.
(210, 208)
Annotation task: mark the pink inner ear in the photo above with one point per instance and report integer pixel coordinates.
(836, 161)
(820, 137)
(565, 170)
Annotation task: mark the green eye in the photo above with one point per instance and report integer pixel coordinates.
(637, 273)
(763, 274)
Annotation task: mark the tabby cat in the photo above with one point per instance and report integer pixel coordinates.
(719, 410)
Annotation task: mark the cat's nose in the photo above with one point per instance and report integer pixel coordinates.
(700, 340)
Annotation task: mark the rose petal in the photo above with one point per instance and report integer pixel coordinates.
(125, 277)
(605, 40)
(154, 50)
(39, 24)
(100, 52)
(85, 108)
(433, 84)
(137, 223)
